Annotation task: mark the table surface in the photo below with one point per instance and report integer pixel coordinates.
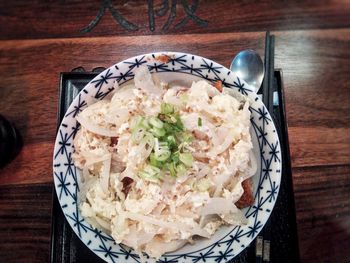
(40, 39)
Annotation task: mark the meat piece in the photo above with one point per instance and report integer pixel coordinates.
(114, 141)
(127, 182)
(247, 199)
(163, 58)
(218, 85)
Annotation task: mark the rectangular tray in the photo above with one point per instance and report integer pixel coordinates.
(66, 247)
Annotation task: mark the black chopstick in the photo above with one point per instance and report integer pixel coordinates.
(271, 74)
(265, 86)
(262, 244)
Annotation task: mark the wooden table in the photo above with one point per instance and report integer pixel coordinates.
(43, 38)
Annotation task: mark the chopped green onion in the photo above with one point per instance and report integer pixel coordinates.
(145, 123)
(138, 134)
(155, 122)
(167, 138)
(179, 123)
(150, 173)
(154, 162)
(168, 128)
(199, 122)
(172, 169)
(169, 118)
(162, 155)
(186, 159)
(175, 157)
(161, 150)
(135, 122)
(180, 169)
(166, 108)
(148, 139)
(185, 137)
(157, 132)
(203, 185)
(170, 139)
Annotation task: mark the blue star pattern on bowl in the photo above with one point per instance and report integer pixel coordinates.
(265, 139)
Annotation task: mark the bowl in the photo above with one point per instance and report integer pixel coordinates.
(228, 241)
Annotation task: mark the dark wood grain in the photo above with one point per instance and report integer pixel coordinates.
(46, 19)
(323, 212)
(25, 219)
(318, 116)
(316, 67)
(322, 202)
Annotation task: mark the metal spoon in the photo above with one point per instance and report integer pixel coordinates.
(249, 66)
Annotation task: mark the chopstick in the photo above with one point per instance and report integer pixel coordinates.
(271, 74)
(267, 92)
(262, 245)
(265, 86)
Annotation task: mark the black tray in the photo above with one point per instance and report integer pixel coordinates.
(281, 228)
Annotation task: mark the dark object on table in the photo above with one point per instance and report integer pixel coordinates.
(10, 142)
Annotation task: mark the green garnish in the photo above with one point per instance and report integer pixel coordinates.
(170, 139)
(157, 132)
(166, 108)
(199, 122)
(175, 157)
(186, 159)
(166, 136)
(156, 123)
(181, 169)
(150, 173)
(203, 184)
(172, 169)
(154, 162)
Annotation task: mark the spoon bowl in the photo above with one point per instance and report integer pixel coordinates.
(249, 66)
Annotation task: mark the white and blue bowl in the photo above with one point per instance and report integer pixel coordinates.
(228, 241)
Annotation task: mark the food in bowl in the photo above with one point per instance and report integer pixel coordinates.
(164, 164)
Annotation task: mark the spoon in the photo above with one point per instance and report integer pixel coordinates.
(249, 66)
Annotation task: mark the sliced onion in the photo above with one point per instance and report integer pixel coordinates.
(224, 145)
(221, 179)
(104, 176)
(131, 239)
(253, 165)
(117, 115)
(88, 182)
(159, 208)
(96, 128)
(195, 230)
(91, 160)
(203, 172)
(143, 80)
(144, 238)
(218, 205)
